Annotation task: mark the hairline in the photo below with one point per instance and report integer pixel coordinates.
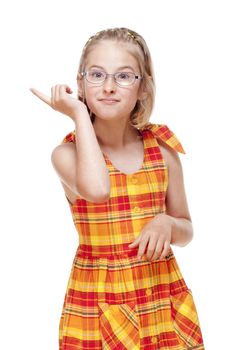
(133, 49)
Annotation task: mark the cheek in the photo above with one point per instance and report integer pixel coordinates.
(133, 95)
(90, 96)
(131, 100)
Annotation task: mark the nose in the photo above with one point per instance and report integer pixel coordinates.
(109, 84)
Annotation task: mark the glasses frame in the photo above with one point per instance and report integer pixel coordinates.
(84, 74)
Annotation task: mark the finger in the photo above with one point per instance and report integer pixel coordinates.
(53, 96)
(151, 247)
(57, 93)
(166, 250)
(158, 250)
(41, 96)
(135, 242)
(142, 246)
(64, 89)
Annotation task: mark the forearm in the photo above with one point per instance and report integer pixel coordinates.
(93, 176)
(182, 231)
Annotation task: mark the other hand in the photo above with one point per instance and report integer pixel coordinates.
(157, 234)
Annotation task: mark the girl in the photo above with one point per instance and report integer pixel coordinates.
(123, 180)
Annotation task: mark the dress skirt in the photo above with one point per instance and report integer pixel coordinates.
(118, 303)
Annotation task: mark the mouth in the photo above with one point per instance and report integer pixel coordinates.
(109, 100)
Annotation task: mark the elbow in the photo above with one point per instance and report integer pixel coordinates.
(189, 238)
(98, 198)
(190, 232)
(102, 198)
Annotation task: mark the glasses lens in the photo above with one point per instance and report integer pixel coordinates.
(95, 76)
(124, 78)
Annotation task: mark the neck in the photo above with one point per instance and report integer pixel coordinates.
(114, 134)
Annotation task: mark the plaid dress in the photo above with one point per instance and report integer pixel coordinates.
(113, 301)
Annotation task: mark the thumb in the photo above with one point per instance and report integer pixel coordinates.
(41, 96)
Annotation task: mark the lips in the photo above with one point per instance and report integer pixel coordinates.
(109, 99)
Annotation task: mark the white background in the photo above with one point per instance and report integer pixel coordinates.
(41, 42)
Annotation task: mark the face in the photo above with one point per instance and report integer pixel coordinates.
(110, 57)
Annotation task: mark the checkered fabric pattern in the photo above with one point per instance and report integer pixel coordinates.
(113, 301)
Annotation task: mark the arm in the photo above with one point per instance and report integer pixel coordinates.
(172, 227)
(81, 165)
(176, 202)
(91, 166)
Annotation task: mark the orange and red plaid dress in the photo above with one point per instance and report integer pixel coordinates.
(113, 301)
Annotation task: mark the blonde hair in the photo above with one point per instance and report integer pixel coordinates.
(141, 113)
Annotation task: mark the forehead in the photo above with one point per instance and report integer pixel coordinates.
(111, 56)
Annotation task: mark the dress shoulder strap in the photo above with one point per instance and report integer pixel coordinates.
(161, 131)
(70, 137)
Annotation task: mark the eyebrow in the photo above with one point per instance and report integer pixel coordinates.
(123, 67)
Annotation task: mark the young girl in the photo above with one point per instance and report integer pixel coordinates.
(123, 180)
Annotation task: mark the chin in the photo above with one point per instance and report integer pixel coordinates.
(107, 116)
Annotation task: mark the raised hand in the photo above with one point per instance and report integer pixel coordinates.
(61, 101)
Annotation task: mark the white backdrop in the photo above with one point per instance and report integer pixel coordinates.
(41, 42)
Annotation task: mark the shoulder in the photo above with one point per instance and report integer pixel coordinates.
(170, 156)
(65, 149)
(165, 136)
(168, 142)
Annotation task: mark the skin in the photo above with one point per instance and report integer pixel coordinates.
(111, 126)
(119, 140)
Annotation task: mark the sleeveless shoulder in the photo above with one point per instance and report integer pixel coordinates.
(70, 137)
(162, 132)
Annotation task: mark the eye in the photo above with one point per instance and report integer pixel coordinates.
(123, 76)
(96, 74)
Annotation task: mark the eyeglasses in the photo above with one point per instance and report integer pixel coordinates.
(121, 78)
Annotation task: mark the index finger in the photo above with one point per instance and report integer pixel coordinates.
(41, 96)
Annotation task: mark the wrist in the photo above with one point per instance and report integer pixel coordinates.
(81, 113)
(173, 223)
